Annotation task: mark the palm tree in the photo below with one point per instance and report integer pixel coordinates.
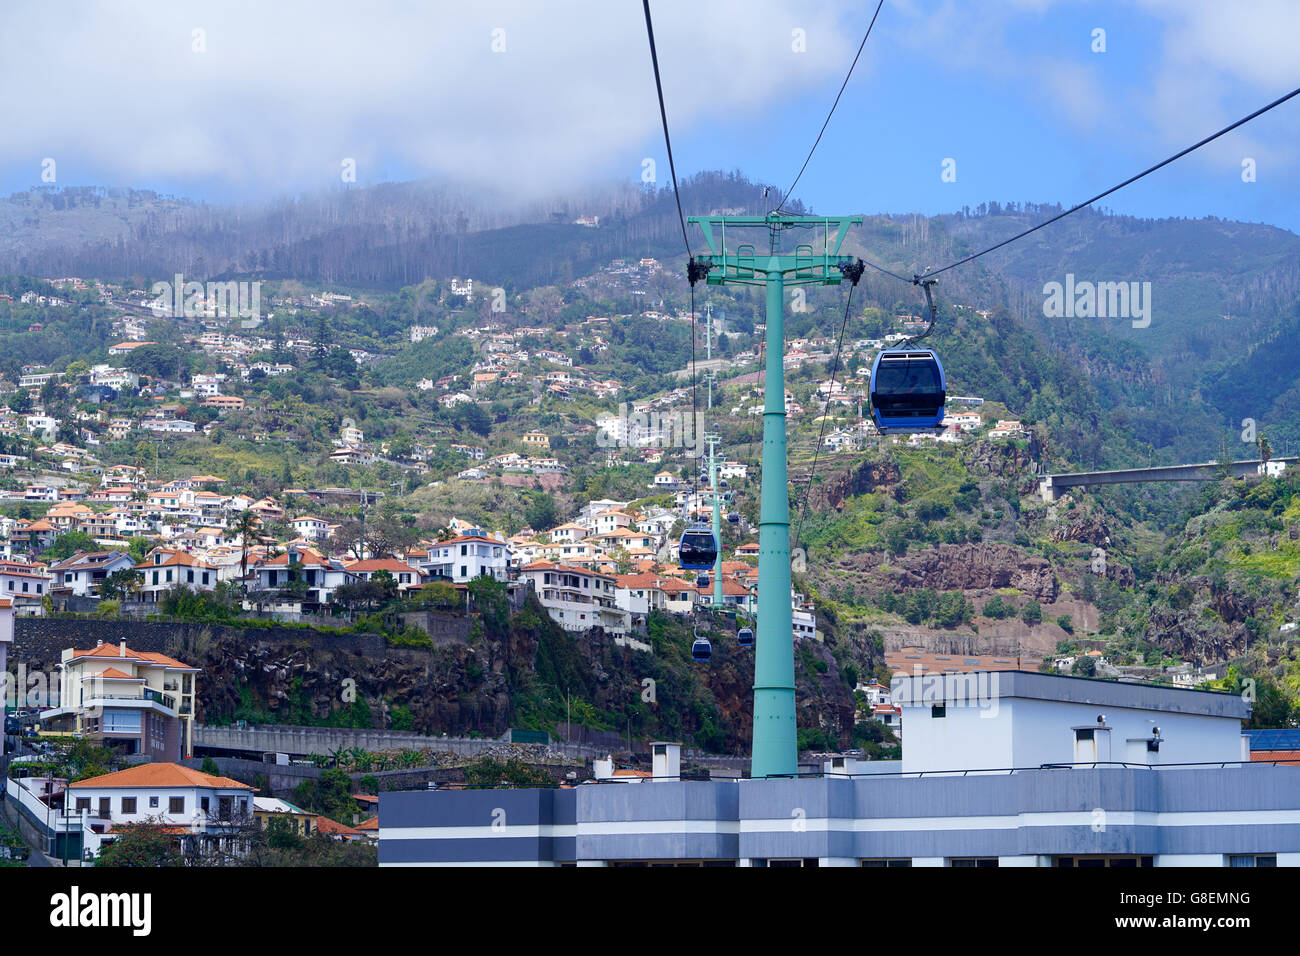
(244, 525)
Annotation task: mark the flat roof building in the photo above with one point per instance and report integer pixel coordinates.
(1000, 769)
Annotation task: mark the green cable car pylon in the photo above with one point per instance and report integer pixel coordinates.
(775, 741)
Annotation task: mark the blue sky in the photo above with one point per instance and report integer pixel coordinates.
(268, 102)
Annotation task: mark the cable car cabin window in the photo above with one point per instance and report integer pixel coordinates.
(697, 550)
(908, 385)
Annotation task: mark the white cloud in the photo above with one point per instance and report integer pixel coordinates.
(285, 91)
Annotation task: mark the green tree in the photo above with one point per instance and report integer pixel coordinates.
(68, 544)
(329, 794)
(141, 845)
(244, 524)
(541, 512)
(120, 585)
(1032, 613)
(488, 773)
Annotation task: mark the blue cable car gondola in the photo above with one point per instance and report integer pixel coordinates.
(745, 637)
(908, 390)
(701, 650)
(734, 517)
(697, 550)
(701, 580)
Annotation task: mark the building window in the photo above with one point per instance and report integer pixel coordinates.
(899, 862)
(128, 805)
(83, 803)
(1094, 862)
(205, 803)
(798, 862)
(1252, 859)
(105, 807)
(153, 803)
(980, 861)
(938, 710)
(176, 805)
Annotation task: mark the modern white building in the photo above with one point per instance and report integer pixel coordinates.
(1011, 769)
(994, 720)
(466, 557)
(576, 598)
(139, 702)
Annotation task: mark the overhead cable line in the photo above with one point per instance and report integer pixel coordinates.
(916, 280)
(663, 115)
(853, 273)
(694, 271)
(786, 195)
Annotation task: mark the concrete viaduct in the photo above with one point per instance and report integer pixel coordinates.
(1051, 486)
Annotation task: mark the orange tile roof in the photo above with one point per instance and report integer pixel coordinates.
(1281, 756)
(381, 564)
(161, 775)
(112, 673)
(549, 566)
(371, 824)
(175, 558)
(115, 651)
(333, 827)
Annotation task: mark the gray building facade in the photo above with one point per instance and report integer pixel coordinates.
(1229, 815)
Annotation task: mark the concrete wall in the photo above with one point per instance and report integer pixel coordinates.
(302, 741)
(279, 778)
(442, 627)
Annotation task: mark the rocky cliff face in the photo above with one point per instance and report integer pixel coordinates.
(984, 566)
(1000, 459)
(449, 690)
(869, 476)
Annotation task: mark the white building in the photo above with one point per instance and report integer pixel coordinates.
(576, 598)
(203, 808)
(466, 557)
(1001, 719)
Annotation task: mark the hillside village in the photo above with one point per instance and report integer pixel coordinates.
(145, 535)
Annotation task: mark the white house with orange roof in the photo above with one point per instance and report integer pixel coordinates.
(465, 557)
(203, 811)
(407, 577)
(577, 598)
(300, 563)
(310, 526)
(164, 569)
(611, 519)
(24, 585)
(137, 702)
(569, 531)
